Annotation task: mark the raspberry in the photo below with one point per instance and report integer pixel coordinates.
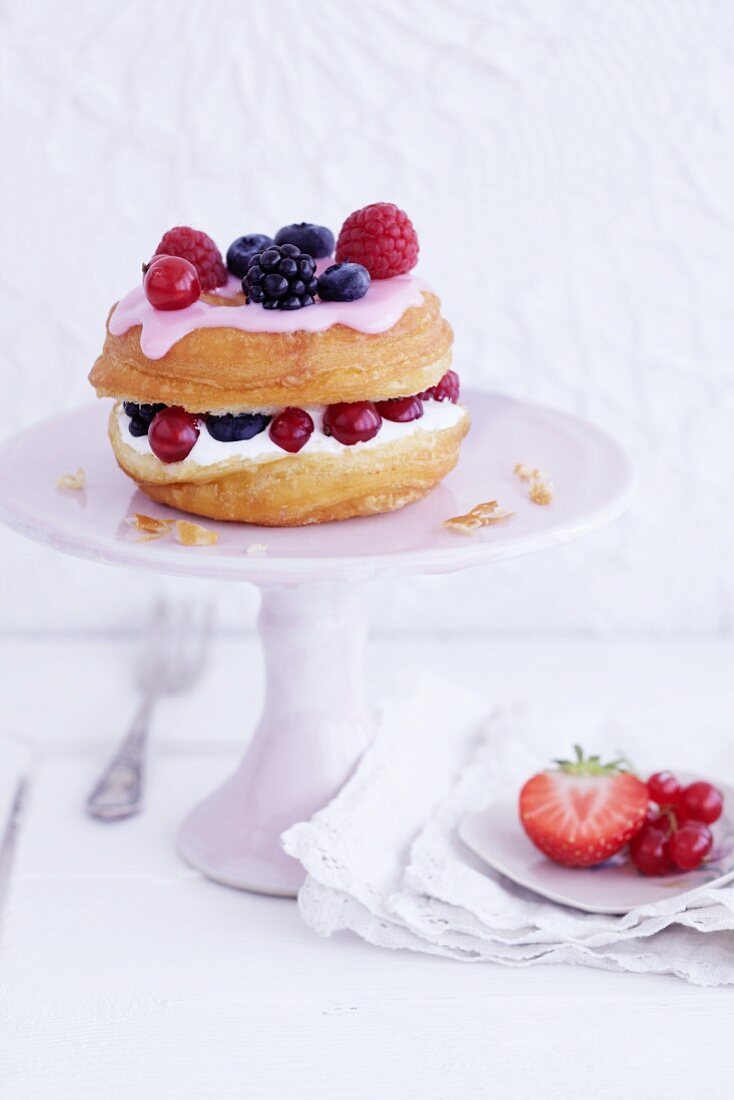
(381, 238)
(200, 250)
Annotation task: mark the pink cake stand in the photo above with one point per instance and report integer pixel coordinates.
(316, 720)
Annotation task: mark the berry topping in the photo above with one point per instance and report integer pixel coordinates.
(447, 389)
(146, 412)
(291, 429)
(235, 426)
(241, 251)
(198, 249)
(690, 844)
(663, 788)
(344, 283)
(584, 811)
(700, 802)
(400, 409)
(649, 851)
(682, 815)
(138, 426)
(172, 434)
(380, 237)
(140, 416)
(281, 277)
(352, 422)
(316, 240)
(171, 283)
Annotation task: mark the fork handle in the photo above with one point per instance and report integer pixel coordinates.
(118, 792)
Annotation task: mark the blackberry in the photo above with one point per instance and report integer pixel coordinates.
(230, 427)
(281, 277)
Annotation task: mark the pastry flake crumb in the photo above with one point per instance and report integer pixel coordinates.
(540, 485)
(257, 548)
(482, 515)
(193, 534)
(540, 492)
(526, 472)
(72, 481)
(151, 526)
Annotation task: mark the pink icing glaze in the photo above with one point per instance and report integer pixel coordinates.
(382, 307)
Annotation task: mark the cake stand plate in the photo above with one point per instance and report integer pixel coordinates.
(316, 720)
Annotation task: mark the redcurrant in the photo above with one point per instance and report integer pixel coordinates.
(663, 788)
(700, 802)
(446, 389)
(352, 422)
(690, 845)
(171, 283)
(649, 851)
(400, 409)
(291, 429)
(172, 434)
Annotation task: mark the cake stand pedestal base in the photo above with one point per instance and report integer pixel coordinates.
(315, 725)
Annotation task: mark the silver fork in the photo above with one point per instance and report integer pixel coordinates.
(172, 660)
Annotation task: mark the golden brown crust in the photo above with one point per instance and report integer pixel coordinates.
(299, 489)
(221, 369)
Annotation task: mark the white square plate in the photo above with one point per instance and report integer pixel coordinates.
(498, 838)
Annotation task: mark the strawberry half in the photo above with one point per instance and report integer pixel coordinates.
(583, 811)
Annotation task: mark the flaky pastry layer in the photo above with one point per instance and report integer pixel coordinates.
(225, 369)
(299, 489)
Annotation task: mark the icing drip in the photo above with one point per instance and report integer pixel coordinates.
(382, 307)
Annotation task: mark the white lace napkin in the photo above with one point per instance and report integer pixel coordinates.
(384, 860)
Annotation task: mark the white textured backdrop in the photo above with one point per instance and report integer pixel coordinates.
(569, 167)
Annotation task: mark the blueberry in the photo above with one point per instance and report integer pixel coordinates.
(241, 251)
(316, 240)
(344, 283)
(142, 412)
(138, 426)
(234, 426)
(148, 412)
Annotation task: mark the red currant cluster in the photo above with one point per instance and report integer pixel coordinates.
(676, 833)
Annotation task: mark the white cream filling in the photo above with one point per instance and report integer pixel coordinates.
(207, 451)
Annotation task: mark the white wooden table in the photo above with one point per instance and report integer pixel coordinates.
(125, 975)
